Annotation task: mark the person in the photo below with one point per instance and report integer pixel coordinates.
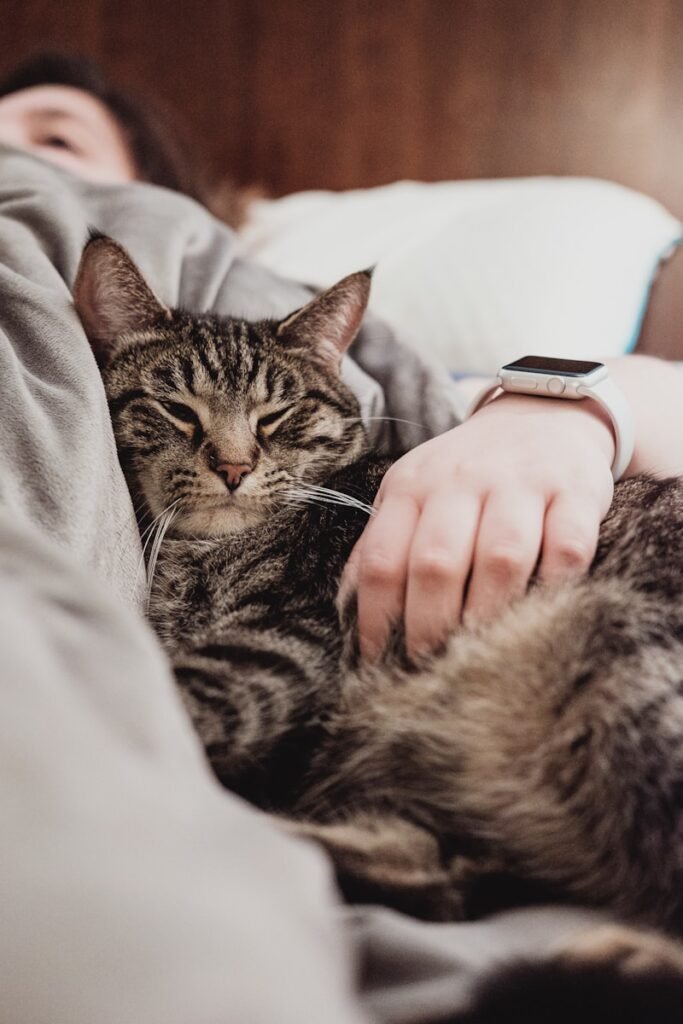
(173, 926)
(63, 108)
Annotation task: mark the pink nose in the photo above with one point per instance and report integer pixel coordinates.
(233, 473)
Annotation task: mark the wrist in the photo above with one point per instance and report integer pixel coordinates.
(586, 417)
(573, 381)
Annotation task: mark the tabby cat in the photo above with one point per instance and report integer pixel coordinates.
(540, 756)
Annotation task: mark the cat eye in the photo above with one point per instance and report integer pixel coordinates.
(268, 423)
(181, 412)
(184, 414)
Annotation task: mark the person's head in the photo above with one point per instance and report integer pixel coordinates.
(63, 109)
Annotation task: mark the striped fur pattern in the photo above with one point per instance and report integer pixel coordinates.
(538, 757)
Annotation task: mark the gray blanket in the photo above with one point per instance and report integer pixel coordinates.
(133, 889)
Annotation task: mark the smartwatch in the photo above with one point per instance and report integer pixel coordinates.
(571, 379)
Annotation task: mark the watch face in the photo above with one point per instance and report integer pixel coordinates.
(544, 364)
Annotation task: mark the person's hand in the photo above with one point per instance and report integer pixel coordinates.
(463, 519)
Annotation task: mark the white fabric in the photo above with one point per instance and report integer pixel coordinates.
(478, 273)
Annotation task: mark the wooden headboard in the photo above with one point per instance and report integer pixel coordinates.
(298, 94)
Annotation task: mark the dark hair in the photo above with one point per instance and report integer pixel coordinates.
(156, 141)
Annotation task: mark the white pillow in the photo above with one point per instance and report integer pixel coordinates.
(477, 273)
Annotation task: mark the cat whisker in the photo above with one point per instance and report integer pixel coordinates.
(165, 521)
(145, 533)
(143, 516)
(385, 419)
(146, 536)
(202, 542)
(313, 494)
(140, 509)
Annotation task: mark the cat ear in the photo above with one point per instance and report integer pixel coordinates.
(112, 296)
(327, 325)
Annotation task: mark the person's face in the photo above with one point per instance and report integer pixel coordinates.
(70, 128)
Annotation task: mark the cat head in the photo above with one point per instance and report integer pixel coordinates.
(214, 417)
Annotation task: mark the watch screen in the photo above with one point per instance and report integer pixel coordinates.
(544, 364)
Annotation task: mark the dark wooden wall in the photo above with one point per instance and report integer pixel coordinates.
(298, 94)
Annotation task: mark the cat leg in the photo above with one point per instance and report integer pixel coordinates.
(245, 694)
(382, 858)
(607, 973)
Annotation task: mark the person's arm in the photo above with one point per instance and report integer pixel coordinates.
(463, 519)
(654, 390)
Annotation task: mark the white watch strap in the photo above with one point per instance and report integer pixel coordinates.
(609, 397)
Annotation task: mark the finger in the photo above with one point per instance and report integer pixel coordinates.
(439, 563)
(382, 570)
(506, 552)
(349, 579)
(570, 537)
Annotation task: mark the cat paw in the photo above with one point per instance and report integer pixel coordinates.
(609, 973)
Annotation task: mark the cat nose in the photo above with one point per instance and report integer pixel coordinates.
(233, 473)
